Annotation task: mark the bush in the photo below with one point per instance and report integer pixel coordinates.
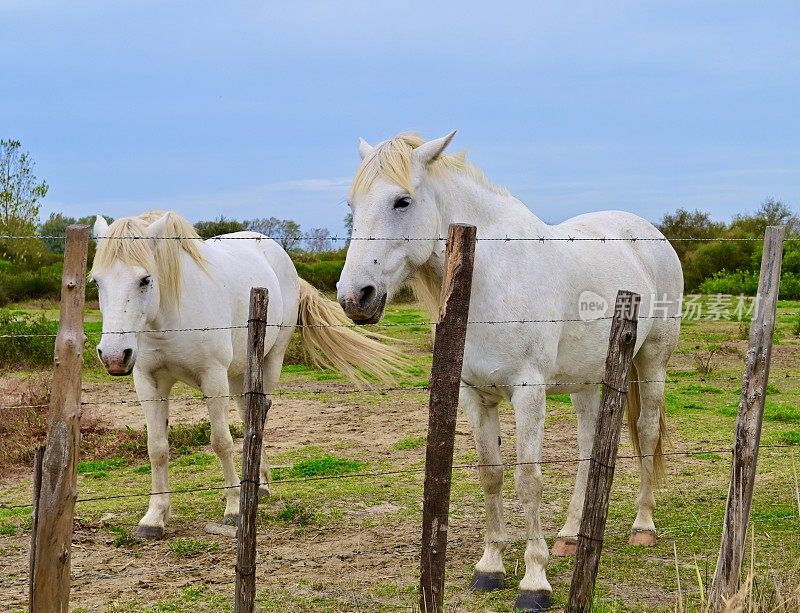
(746, 282)
(322, 274)
(26, 351)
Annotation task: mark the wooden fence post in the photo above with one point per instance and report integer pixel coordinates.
(257, 406)
(621, 343)
(55, 507)
(448, 357)
(748, 425)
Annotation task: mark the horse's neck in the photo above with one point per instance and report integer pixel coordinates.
(463, 199)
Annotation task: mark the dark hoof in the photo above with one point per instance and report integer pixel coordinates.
(527, 601)
(149, 533)
(487, 582)
(230, 520)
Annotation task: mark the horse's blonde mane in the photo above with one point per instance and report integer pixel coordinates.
(126, 241)
(392, 160)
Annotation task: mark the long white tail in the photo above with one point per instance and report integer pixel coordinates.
(331, 342)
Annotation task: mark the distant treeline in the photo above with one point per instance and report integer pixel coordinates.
(31, 269)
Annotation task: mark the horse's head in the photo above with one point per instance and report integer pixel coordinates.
(127, 286)
(393, 202)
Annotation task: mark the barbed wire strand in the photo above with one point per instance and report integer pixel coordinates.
(505, 239)
(288, 391)
(399, 471)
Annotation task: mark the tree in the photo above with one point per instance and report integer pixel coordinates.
(56, 225)
(284, 231)
(218, 226)
(20, 190)
(688, 224)
(771, 212)
(348, 224)
(318, 239)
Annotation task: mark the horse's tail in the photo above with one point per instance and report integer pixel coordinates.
(634, 407)
(332, 342)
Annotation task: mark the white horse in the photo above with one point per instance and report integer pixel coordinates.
(408, 188)
(150, 288)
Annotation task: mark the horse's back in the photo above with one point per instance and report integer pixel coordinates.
(643, 245)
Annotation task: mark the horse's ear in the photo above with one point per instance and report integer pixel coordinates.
(428, 152)
(100, 229)
(364, 148)
(158, 229)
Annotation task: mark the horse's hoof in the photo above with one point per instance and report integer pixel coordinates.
(529, 601)
(230, 520)
(263, 491)
(565, 546)
(487, 582)
(643, 538)
(149, 533)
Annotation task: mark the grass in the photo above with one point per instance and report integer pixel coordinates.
(324, 466)
(192, 547)
(302, 518)
(410, 442)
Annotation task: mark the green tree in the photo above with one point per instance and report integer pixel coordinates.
(218, 226)
(20, 190)
(688, 224)
(771, 212)
(56, 226)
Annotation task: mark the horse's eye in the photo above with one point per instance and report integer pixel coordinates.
(402, 203)
(145, 281)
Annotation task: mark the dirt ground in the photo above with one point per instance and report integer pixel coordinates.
(323, 557)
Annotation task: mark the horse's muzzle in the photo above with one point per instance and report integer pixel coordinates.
(363, 314)
(118, 365)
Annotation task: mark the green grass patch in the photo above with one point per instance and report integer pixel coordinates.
(782, 413)
(7, 529)
(324, 466)
(191, 547)
(122, 536)
(98, 469)
(790, 437)
(410, 442)
(288, 512)
(195, 459)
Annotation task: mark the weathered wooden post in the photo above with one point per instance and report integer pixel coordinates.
(257, 406)
(55, 501)
(748, 425)
(621, 343)
(448, 357)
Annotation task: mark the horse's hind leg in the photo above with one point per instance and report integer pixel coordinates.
(156, 414)
(489, 571)
(651, 369)
(273, 362)
(214, 384)
(586, 405)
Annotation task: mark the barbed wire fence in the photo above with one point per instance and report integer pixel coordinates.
(674, 531)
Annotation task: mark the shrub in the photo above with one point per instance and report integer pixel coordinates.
(26, 351)
(746, 282)
(323, 274)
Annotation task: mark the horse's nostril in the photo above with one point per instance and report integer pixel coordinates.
(366, 296)
(126, 355)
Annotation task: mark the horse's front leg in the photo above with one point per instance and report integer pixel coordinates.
(153, 395)
(529, 408)
(214, 385)
(489, 571)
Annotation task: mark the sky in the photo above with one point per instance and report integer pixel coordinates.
(254, 109)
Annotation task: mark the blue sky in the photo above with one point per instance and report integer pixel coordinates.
(253, 109)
